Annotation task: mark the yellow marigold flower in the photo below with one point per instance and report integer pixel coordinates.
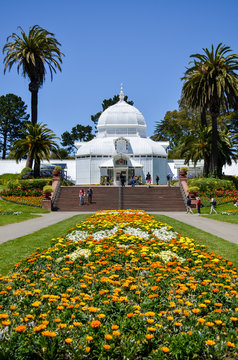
(149, 336)
(6, 322)
(201, 320)
(89, 338)
(210, 342)
(116, 333)
(36, 304)
(108, 336)
(233, 318)
(150, 313)
(68, 340)
(87, 349)
(230, 344)
(196, 311)
(62, 326)
(76, 323)
(218, 322)
(165, 349)
(151, 329)
(177, 323)
(170, 318)
(209, 323)
(101, 316)
(106, 346)
(150, 321)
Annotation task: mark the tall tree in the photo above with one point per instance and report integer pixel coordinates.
(34, 54)
(211, 83)
(38, 141)
(105, 104)
(13, 116)
(78, 133)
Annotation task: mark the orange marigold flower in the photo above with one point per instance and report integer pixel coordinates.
(95, 323)
(230, 344)
(149, 336)
(68, 340)
(165, 349)
(130, 315)
(210, 342)
(87, 349)
(49, 333)
(20, 328)
(233, 318)
(89, 338)
(101, 316)
(108, 336)
(209, 323)
(218, 322)
(116, 333)
(115, 327)
(106, 346)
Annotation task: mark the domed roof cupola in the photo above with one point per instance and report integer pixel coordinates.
(121, 119)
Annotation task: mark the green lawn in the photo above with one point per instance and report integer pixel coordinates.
(232, 218)
(13, 251)
(213, 243)
(28, 212)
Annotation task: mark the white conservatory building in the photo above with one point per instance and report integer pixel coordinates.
(121, 147)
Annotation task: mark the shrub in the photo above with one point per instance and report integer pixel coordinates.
(47, 189)
(185, 168)
(57, 168)
(4, 178)
(211, 184)
(193, 189)
(26, 173)
(34, 183)
(231, 178)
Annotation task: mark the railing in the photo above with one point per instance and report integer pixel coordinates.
(183, 193)
(55, 195)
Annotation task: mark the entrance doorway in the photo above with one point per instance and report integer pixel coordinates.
(117, 176)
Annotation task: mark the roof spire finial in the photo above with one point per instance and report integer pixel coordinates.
(121, 96)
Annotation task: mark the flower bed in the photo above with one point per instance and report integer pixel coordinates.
(222, 197)
(25, 200)
(22, 192)
(120, 286)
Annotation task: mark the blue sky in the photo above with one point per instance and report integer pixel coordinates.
(145, 44)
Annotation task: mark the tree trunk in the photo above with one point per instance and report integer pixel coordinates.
(4, 150)
(214, 150)
(206, 166)
(203, 117)
(33, 87)
(37, 167)
(29, 161)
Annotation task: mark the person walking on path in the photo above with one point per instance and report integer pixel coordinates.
(157, 180)
(148, 179)
(90, 195)
(81, 196)
(198, 205)
(213, 204)
(189, 209)
(168, 179)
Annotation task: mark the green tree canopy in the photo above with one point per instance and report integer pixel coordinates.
(38, 141)
(13, 116)
(78, 133)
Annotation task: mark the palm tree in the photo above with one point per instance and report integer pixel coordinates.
(211, 83)
(33, 54)
(197, 146)
(38, 142)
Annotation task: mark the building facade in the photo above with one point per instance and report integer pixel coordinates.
(121, 147)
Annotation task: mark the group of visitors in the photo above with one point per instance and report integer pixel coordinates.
(83, 194)
(199, 205)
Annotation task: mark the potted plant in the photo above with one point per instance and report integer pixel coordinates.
(47, 190)
(183, 171)
(192, 190)
(57, 170)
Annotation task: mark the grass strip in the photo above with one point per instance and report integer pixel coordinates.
(232, 219)
(13, 251)
(213, 243)
(11, 219)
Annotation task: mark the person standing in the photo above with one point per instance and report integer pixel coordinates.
(81, 196)
(168, 179)
(148, 179)
(198, 205)
(122, 178)
(133, 181)
(213, 204)
(189, 209)
(157, 180)
(90, 195)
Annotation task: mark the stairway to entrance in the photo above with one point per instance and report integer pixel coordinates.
(155, 198)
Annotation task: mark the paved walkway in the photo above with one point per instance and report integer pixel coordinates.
(223, 230)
